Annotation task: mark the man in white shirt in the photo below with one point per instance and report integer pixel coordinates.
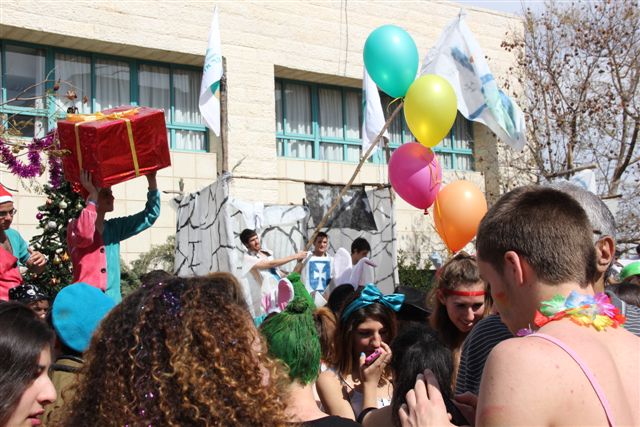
(316, 269)
(259, 266)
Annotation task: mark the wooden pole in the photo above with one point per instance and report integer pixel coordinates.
(364, 158)
(224, 153)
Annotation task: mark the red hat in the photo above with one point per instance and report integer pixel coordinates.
(5, 196)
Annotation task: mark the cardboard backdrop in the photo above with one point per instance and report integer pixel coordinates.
(210, 221)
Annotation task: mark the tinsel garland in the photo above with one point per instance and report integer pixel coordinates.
(34, 167)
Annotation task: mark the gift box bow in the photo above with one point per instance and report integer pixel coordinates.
(125, 115)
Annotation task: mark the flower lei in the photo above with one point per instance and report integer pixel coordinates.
(584, 310)
(34, 167)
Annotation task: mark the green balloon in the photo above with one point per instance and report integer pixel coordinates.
(391, 59)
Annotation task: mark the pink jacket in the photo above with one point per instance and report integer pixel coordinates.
(95, 256)
(87, 250)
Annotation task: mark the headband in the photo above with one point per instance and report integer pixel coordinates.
(370, 294)
(462, 293)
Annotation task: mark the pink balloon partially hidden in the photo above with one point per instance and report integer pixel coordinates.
(415, 174)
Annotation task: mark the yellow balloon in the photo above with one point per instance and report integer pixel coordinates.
(430, 108)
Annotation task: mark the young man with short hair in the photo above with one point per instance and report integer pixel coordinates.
(355, 269)
(259, 266)
(316, 270)
(579, 367)
(360, 248)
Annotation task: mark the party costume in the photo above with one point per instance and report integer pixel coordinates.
(10, 276)
(95, 256)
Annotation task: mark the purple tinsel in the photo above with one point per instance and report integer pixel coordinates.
(33, 167)
(55, 172)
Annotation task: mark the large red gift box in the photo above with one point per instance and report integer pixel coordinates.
(115, 145)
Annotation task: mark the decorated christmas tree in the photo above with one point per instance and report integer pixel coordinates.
(62, 205)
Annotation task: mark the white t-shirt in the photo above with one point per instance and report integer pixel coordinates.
(259, 279)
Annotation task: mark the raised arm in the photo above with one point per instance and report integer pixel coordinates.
(125, 227)
(271, 263)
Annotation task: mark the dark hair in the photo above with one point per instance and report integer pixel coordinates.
(22, 339)
(325, 321)
(347, 327)
(178, 353)
(459, 271)
(339, 296)
(546, 227)
(246, 235)
(227, 285)
(321, 234)
(156, 276)
(414, 307)
(414, 350)
(627, 292)
(360, 244)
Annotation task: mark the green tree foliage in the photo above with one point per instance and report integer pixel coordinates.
(414, 272)
(62, 205)
(159, 257)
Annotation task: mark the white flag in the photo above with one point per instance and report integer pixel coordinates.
(209, 101)
(372, 113)
(458, 58)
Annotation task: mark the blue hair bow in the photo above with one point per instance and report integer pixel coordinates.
(370, 294)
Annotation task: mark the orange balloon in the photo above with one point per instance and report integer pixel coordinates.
(457, 212)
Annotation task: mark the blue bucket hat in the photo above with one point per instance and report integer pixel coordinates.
(76, 313)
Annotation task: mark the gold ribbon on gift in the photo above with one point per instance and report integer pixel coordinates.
(119, 115)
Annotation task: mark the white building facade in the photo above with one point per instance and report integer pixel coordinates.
(292, 106)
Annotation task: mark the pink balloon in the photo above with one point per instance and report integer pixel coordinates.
(415, 174)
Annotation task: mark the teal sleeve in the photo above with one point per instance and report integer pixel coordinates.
(19, 246)
(119, 229)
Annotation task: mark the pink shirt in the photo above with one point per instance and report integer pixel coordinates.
(87, 250)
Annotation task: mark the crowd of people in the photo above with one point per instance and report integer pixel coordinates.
(534, 329)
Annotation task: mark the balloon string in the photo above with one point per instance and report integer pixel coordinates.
(434, 178)
(437, 212)
(391, 103)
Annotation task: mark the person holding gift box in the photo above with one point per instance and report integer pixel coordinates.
(14, 249)
(94, 244)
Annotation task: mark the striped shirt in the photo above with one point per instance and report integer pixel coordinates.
(490, 331)
(631, 312)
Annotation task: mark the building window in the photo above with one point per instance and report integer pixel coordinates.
(99, 82)
(324, 123)
(455, 151)
(23, 105)
(317, 121)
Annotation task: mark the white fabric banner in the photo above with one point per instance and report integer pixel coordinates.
(457, 57)
(209, 101)
(373, 116)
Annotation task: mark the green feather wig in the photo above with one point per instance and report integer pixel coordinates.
(292, 336)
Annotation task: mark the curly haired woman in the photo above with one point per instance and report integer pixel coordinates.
(182, 353)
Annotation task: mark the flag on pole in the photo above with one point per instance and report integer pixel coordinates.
(209, 101)
(458, 58)
(373, 117)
